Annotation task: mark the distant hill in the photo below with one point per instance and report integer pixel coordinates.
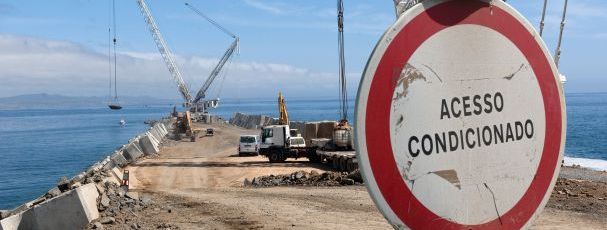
(44, 100)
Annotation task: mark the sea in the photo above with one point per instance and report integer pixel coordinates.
(39, 146)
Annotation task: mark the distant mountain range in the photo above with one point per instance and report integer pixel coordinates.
(44, 100)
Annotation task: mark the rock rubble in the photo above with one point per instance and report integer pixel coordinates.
(303, 178)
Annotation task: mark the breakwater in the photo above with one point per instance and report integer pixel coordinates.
(72, 204)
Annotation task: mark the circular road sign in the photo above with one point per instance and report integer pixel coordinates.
(460, 118)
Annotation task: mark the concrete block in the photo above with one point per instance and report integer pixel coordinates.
(20, 221)
(116, 176)
(148, 145)
(325, 129)
(153, 139)
(108, 165)
(118, 159)
(311, 132)
(71, 210)
(163, 128)
(300, 126)
(132, 151)
(157, 134)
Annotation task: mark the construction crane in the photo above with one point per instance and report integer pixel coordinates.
(342, 133)
(166, 53)
(224, 59)
(283, 116)
(229, 53)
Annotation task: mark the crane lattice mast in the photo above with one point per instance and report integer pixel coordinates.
(166, 53)
(201, 94)
(224, 59)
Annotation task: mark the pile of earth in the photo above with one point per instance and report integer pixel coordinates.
(303, 178)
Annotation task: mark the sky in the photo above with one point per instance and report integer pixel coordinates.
(61, 46)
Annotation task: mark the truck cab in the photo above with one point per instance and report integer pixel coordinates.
(276, 143)
(275, 136)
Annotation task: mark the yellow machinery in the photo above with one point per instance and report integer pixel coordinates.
(183, 125)
(283, 117)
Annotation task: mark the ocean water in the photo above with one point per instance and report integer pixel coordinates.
(38, 146)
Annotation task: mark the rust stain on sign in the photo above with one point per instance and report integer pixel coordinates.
(408, 76)
(450, 176)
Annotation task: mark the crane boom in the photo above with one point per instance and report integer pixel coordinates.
(166, 53)
(224, 59)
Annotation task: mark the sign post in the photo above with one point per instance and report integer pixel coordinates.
(460, 118)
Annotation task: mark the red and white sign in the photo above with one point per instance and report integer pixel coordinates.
(460, 118)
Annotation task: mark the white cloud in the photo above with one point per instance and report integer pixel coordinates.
(33, 65)
(264, 6)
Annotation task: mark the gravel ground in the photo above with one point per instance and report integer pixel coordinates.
(577, 173)
(201, 185)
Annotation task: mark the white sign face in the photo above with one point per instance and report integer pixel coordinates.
(460, 118)
(450, 113)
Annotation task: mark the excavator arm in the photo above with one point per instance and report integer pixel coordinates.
(283, 116)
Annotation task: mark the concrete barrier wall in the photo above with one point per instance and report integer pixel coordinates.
(148, 144)
(251, 121)
(118, 159)
(76, 208)
(311, 132)
(19, 221)
(132, 152)
(299, 125)
(325, 129)
(71, 210)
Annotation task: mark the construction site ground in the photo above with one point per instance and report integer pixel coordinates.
(199, 185)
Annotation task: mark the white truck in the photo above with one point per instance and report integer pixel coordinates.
(278, 143)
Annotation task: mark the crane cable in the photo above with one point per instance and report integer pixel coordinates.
(223, 76)
(109, 60)
(543, 17)
(211, 21)
(343, 92)
(115, 61)
(557, 53)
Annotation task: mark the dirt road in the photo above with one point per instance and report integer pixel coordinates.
(198, 185)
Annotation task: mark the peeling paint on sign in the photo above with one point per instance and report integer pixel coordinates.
(472, 132)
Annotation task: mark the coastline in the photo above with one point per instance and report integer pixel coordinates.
(592, 164)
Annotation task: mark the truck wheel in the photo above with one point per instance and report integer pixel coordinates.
(275, 157)
(313, 157)
(342, 164)
(335, 163)
(351, 167)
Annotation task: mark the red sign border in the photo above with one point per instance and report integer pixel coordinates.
(381, 159)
